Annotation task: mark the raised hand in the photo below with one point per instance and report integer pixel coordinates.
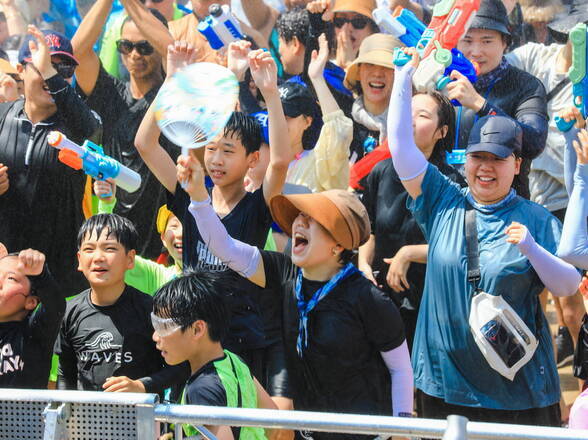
(179, 55)
(237, 58)
(318, 60)
(105, 190)
(40, 55)
(4, 181)
(191, 175)
(519, 234)
(570, 113)
(345, 51)
(31, 261)
(264, 71)
(321, 7)
(463, 91)
(581, 146)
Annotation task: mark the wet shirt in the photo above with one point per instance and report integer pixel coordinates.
(341, 369)
(121, 115)
(26, 346)
(249, 221)
(42, 208)
(447, 362)
(97, 342)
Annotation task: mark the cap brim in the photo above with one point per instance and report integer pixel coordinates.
(564, 23)
(492, 25)
(489, 147)
(285, 209)
(66, 54)
(6, 67)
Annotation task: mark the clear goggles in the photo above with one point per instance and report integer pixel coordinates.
(163, 326)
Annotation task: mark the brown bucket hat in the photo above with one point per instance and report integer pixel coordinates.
(338, 211)
(363, 7)
(376, 49)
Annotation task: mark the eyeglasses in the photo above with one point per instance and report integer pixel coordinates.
(126, 47)
(357, 22)
(64, 69)
(163, 326)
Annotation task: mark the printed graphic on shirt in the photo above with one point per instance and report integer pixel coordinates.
(207, 261)
(101, 349)
(9, 362)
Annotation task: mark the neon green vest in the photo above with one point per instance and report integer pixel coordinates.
(239, 385)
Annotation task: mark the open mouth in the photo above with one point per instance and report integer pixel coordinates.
(178, 247)
(300, 242)
(485, 179)
(376, 85)
(216, 174)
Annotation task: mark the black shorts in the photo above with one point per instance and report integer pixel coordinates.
(430, 407)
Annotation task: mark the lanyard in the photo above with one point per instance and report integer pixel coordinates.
(304, 307)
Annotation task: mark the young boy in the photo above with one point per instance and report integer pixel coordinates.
(190, 319)
(106, 330)
(245, 215)
(27, 332)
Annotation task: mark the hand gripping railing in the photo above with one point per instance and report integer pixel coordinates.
(85, 415)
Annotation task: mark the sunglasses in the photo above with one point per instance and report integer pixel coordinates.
(357, 22)
(64, 69)
(126, 47)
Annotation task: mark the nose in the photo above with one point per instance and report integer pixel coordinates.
(217, 157)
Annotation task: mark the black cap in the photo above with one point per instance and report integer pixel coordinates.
(297, 100)
(564, 22)
(491, 15)
(499, 135)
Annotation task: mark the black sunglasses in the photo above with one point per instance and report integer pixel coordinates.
(126, 47)
(357, 22)
(64, 69)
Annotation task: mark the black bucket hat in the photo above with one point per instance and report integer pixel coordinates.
(578, 13)
(491, 15)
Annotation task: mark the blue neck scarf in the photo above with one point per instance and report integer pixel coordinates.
(304, 308)
(488, 209)
(489, 79)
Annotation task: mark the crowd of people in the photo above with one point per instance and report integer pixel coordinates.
(325, 252)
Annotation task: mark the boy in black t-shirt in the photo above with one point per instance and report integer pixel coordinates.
(190, 318)
(27, 332)
(106, 331)
(245, 215)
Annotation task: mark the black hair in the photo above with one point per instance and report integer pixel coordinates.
(246, 129)
(2, 17)
(198, 295)
(118, 227)
(446, 116)
(294, 23)
(347, 256)
(155, 12)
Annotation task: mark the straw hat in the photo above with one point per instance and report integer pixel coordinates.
(363, 7)
(376, 49)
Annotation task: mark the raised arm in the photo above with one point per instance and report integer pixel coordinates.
(240, 257)
(83, 45)
(559, 277)
(179, 55)
(15, 22)
(265, 74)
(152, 29)
(573, 246)
(261, 16)
(408, 160)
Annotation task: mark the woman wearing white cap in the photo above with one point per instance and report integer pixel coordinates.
(484, 274)
(343, 338)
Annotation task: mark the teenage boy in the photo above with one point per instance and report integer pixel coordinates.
(245, 215)
(27, 332)
(190, 319)
(106, 330)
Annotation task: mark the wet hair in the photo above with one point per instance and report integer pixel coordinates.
(195, 296)
(446, 116)
(118, 227)
(155, 12)
(294, 23)
(246, 129)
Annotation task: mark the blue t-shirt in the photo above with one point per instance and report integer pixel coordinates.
(447, 362)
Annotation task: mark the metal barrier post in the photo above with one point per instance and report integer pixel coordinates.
(457, 428)
(55, 421)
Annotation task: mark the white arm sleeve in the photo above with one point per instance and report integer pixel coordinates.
(241, 257)
(398, 363)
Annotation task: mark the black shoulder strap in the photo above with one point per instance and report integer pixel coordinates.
(560, 85)
(471, 234)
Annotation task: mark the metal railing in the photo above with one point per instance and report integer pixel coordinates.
(84, 415)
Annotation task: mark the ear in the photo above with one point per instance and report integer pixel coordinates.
(131, 259)
(31, 302)
(298, 46)
(308, 121)
(252, 159)
(3, 250)
(518, 161)
(444, 131)
(79, 262)
(200, 328)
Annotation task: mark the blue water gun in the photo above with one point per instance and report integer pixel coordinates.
(577, 74)
(91, 158)
(402, 23)
(220, 28)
